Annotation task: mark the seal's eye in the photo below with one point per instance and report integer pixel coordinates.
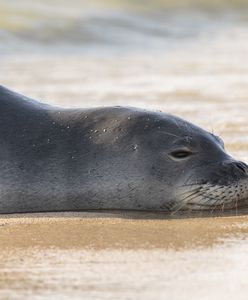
(181, 154)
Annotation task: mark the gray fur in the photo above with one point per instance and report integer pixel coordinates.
(54, 159)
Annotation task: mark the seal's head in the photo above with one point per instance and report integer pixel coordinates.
(189, 167)
(210, 179)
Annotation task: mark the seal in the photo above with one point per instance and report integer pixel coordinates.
(57, 159)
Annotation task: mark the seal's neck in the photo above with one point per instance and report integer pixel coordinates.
(11, 101)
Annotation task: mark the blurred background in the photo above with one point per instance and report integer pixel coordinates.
(185, 57)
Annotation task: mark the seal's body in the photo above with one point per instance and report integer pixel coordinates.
(54, 159)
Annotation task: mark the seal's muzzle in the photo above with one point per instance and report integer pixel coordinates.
(225, 186)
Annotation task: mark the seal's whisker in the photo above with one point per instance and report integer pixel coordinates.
(197, 184)
(191, 184)
(214, 205)
(217, 200)
(171, 134)
(197, 191)
(223, 206)
(236, 204)
(209, 197)
(184, 203)
(190, 191)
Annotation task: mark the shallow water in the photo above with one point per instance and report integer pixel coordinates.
(190, 62)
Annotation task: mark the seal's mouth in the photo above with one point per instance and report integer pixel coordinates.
(212, 197)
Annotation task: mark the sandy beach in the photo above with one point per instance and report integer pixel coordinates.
(125, 256)
(191, 63)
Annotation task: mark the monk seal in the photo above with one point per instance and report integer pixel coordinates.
(57, 159)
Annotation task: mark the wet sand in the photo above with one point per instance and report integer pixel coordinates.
(116, 230)
(122, 256)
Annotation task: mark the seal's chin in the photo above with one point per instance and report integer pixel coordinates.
(212, 197)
